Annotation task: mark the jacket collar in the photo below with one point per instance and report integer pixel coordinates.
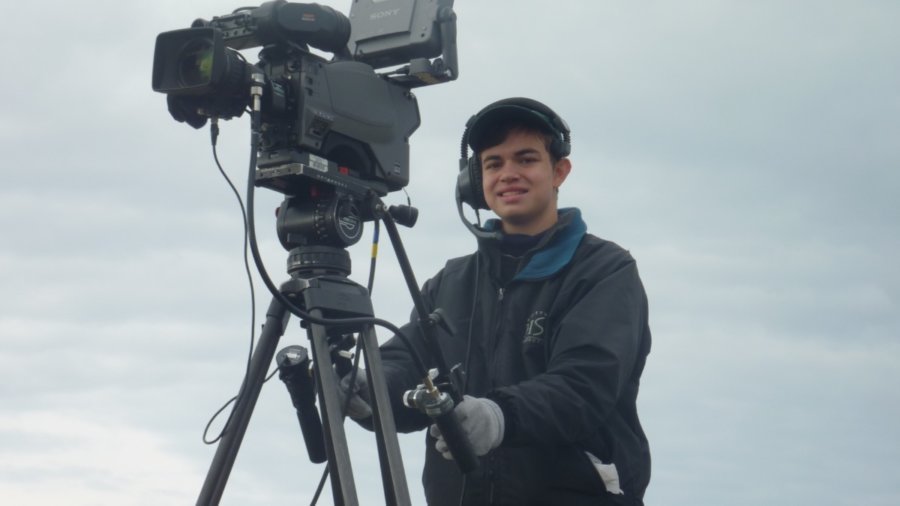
(555, 250)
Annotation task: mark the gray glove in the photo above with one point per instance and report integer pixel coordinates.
(481, 420)
(359, 408)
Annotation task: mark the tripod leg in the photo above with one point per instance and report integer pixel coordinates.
(393, 477)
(342, 484)
(349, 299)
(226, 452)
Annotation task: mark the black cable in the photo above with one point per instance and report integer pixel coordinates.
(371, 283)
(214, 136)
(465, 386)
(319, 488)
(462, 492)
(217, 413)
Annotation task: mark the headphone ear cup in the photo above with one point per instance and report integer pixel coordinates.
(560, 148)
(475, 182)
(468, 184)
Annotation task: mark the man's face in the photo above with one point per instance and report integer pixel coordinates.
(519, 181)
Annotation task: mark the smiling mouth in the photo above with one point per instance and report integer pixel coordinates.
(511, 193)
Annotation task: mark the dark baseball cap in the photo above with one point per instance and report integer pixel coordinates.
(526, 111)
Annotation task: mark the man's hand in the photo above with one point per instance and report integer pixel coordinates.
(481, 420)
(359, 408)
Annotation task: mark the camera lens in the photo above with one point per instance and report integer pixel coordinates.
(195, 63)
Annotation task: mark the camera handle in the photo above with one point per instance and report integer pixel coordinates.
(322, 297)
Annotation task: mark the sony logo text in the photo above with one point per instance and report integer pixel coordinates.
(384, 14)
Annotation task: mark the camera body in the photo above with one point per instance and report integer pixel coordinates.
(337, 121)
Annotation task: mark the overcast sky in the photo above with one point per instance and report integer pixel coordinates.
(746, 153)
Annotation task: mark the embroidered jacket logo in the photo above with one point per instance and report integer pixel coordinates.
(535, 327)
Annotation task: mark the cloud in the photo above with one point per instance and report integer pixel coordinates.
(744, 153)
(764, 413)
(58, 457)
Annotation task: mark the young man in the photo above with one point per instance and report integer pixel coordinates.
(551, 330)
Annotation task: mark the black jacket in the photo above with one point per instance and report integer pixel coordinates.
(560, 347)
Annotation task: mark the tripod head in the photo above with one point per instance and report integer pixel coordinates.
(317, 229)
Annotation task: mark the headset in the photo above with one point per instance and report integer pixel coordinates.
(468, 182)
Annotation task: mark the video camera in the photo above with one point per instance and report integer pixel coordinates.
(334, 121)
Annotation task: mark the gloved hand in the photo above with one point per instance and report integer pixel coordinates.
(359, 408)
(481, 421)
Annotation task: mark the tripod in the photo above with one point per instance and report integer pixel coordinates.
(335, 306)
(316, 230)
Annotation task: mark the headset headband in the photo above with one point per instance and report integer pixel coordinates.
(510, 109)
